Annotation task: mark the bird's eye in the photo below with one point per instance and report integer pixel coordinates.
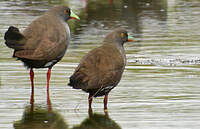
(122, 35)
(65, 12)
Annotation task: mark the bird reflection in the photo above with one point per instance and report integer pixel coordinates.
(97, 121)
(32, 101)
(40, 118)
(37, 116)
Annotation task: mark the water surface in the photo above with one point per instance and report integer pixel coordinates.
(160, 88)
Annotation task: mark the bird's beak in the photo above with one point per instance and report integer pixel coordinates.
(74, 16)
(130, 38)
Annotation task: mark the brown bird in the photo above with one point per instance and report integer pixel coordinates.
(44, 42)
(101, 69)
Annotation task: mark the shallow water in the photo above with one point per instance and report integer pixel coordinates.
(160, 88)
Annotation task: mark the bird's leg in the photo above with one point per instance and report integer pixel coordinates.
(32, 88)
(90, 101)
(48, 98)
(48, 78)
(32, 101)
(48, 101)
(32, 79)
(90, 112)
(105, 102)
(32, 83)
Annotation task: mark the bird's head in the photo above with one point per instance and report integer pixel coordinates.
(119, 35)
(64, 13)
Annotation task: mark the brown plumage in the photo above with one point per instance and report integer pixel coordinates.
(44, 42)
(101, 69)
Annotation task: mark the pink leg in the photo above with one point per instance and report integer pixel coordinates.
(48, 98)
(90, 105)
(32, 78)
(48, 78)
(32, 101)
(105, 102)
(48, 101)
(90, 101)
(32, 88)
(105, 105)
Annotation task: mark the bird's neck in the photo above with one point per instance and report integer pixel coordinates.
(119, 48)
(116, 45)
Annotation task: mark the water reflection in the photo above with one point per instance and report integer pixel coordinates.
(37, 116)
(136, 13)
(40, 118)
(126, 13)
(143, 19)
(160, 86)
(97, 121)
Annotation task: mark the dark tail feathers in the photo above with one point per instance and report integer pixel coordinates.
(73, 82)
(78, 80)
(14, 39)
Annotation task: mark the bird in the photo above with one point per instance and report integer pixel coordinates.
(101, 69)
(44, 42)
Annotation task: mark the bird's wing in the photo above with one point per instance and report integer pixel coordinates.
(49, 52)
(101, 67)
(45, 40)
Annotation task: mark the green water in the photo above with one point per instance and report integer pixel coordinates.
(160, 88)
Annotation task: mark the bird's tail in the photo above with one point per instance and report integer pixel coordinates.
(14, 39)
(73, 82)
(78, 81)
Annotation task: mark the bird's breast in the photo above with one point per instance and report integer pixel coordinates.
(122, 53)
(67, 32)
